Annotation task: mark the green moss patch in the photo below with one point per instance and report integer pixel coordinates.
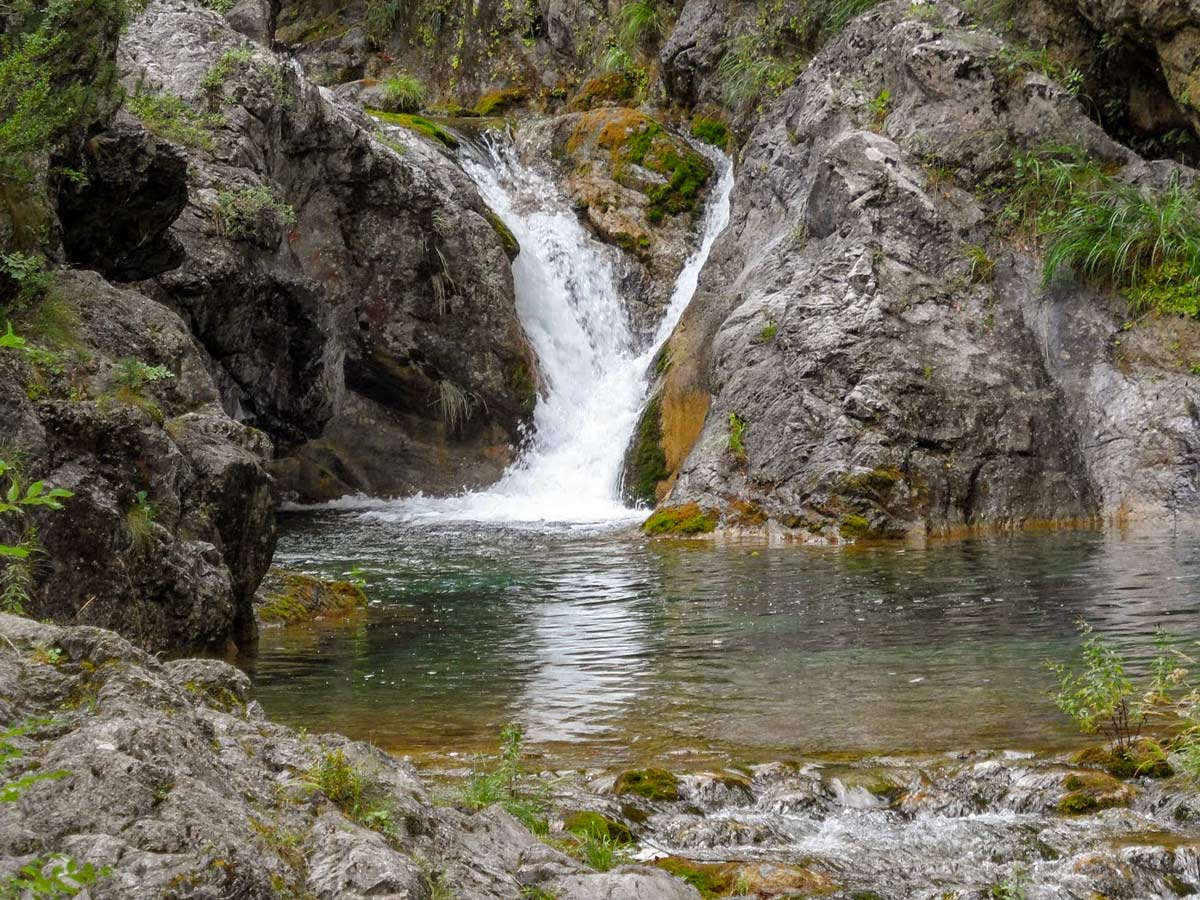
(1147, 759)
(511, 246)
(649, 462)
(653, 784)
(418, 124)
(711, 131)
(710, 879)
(495, 102)
(686, 519)
(1089, 791)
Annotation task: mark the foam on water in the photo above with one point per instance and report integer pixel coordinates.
(594, 377)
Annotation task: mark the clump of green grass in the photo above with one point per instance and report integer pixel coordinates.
(768, 332)
(640, 22)
(737, 434)
(404, 92)
(498, 783)
(983, 267)
(140, 522)
(601, 851)
(347, 787)
(382, 17)
(1142, 242)
(747, 72)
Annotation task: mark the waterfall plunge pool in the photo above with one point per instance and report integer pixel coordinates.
(613, 650)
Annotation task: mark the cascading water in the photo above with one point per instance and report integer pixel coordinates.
(595, 384)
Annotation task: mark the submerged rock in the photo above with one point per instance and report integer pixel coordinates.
(291, 597)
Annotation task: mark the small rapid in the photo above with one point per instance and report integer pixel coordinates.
(594, 375)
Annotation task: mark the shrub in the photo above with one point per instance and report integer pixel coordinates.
(253, 213)
(404, 92)
(229, 62)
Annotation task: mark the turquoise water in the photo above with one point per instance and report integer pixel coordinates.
(611, 649)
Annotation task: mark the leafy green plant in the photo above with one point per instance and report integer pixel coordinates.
(768, 332)
(347, 787)
(1014, 887)
(640, 22)
(55, 875)
(16, 578)
(404, 92)
(253, 213)
(132, 375)
(27, 277)
(737, 433)
(880, 106)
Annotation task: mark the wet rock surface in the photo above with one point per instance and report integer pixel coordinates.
(842, 371)
(176, 782)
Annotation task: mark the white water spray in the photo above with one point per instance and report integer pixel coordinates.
(595, 383)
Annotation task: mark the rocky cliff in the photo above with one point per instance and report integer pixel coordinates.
(874, 349)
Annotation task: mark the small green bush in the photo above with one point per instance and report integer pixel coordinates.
(253, 213)
(28, 279)
(493, 783)
(229, 62)
(404, 92)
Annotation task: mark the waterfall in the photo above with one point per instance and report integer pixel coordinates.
(595, 379)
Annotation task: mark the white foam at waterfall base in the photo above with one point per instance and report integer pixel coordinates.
(595, 380)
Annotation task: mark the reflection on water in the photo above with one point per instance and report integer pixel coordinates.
(609, 649)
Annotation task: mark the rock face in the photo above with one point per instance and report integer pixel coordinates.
(355, 297)
(637, 186)
(845, 368)
(174, 780)
(171, 525)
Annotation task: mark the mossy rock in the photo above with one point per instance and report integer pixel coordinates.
(289, 597)
(653, 784)
(511, 246)
(608, 89)
(587, 823)
(686, 519)
(1147, 759)
(418, 124)
(495, 102)
(634, 141)
(1088, 791)
(711, 131)
(647, 460)
(714, 880)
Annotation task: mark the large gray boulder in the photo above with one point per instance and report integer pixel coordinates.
(879, 385)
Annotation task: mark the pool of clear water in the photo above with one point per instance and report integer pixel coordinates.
(610, 649)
